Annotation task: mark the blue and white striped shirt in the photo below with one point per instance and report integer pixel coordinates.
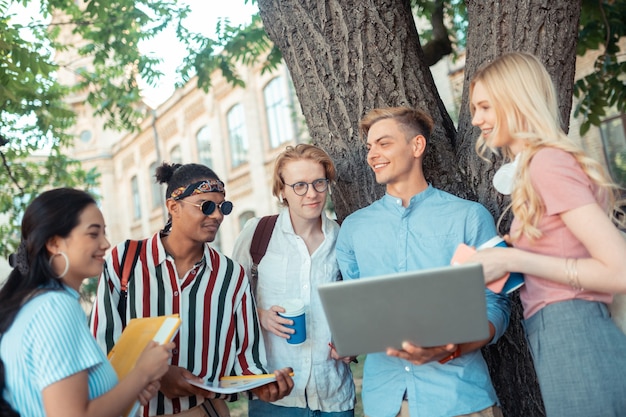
(50, 341)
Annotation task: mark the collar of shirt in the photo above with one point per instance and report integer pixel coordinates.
(284, 223)
(393, 202)
(162, 254)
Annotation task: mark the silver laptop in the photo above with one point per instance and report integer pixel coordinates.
(429, 307)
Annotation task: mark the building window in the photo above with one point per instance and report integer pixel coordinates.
(135, 198)
(85, 136)
(237, 136)
(279, 112)
(244, 217)
(155, 187)
(613, 131)
(203, 142)
(176, 156)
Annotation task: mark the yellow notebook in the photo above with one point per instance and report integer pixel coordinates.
(134, 339)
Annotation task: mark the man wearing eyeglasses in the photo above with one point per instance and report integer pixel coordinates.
(177, 272)
(300, 255)
(415, 226)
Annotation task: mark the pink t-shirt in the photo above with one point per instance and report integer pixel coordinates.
(562, 184)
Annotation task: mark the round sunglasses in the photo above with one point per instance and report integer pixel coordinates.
(208, 207)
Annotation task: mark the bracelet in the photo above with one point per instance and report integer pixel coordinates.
(453, 355)
(572, 273)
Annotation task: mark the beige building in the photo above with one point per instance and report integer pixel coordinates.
(236, 131)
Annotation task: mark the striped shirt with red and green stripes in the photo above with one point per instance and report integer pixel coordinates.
(220, 333)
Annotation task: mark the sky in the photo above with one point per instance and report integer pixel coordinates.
(204, 17)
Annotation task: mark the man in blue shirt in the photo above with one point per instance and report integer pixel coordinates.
(415, 226)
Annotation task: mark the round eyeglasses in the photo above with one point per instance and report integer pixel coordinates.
(208, 207)
(301, 188)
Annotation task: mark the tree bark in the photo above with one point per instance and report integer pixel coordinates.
(548, 29)
(440, 45)
(349, 56)
(345, 58)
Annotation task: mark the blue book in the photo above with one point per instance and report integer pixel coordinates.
(514, 279)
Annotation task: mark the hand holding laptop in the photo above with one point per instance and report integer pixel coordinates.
(420, 355)
(429, 307)
(335, 355)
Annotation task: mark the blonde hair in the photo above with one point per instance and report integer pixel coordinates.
(412, 121)
(525, 102)
(301, 151)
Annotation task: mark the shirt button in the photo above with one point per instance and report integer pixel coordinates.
(193, 272)
(406, 368)
(305, 286)
(175, 351)
(175, 293)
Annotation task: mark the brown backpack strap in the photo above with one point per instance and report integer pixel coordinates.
(258, 246)
(129, 260)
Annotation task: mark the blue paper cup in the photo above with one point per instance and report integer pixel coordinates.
(294, 310)
(516, 279)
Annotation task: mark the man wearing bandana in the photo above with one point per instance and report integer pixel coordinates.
(177, 272)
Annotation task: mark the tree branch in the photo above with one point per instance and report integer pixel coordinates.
(4, 141)
(440, 45)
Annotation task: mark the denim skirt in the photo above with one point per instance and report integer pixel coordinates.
(579, 356)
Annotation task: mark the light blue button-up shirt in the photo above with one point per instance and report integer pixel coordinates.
(386, 237)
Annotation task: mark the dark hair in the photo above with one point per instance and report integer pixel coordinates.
(52, 213)
(181, 175)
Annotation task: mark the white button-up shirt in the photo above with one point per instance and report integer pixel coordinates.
(288, 271)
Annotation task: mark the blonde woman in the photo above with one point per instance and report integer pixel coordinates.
(564, 240)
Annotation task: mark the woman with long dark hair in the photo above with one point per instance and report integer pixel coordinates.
(49, 362)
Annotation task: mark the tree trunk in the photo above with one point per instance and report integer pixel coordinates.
(346, 57)
(548, 29)
(349, 56)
